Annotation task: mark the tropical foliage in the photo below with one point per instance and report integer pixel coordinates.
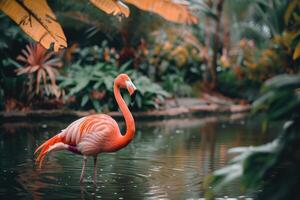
(38, 20)
(248, 63)
(89, 82)
(271, 169)
(92, 87)
(10, 37)
(174, 60)
(39, 66)
(12, 91)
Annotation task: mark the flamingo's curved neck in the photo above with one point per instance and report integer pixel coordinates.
(130, 125)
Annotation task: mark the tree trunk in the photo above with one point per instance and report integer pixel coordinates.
(214, 83)
(226, 34)
(206, 56)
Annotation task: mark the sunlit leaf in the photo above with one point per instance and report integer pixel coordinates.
(174, 11)
(290, 10)
(36, 19)
(114, 7)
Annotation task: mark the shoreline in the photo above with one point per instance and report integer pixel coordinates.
(185, 108)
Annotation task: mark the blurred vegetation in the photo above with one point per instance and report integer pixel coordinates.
(235, 47)
(271, 169)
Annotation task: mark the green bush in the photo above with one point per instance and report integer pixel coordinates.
(172, 54)
(176, 85)
(230, 85)
(12, 87)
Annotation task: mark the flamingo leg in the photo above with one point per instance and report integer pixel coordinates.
(95, 170)
(83, 169)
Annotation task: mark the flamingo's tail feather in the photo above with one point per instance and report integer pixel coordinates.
(54, 143)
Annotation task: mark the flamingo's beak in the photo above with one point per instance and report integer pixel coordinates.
(130, 87)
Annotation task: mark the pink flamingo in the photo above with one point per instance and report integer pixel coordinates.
(94, 134)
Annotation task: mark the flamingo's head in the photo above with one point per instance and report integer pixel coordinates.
(125, 82)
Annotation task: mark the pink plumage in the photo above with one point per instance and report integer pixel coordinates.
(94, 134)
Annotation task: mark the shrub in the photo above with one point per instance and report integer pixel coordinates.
(92, 87)
(39, 66)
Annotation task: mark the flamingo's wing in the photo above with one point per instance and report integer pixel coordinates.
(86, 135)
(71, 134)
(93, 143)
(90, 134)
(60, 141)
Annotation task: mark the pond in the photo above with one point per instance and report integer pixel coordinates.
(167, 159)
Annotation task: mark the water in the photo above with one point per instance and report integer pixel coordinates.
(166, 160)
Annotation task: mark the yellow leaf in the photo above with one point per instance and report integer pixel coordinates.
(114, 7)
(169, 9)
(296, 54)
(36, 19)
(290, 9)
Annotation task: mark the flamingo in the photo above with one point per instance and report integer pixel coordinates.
(94, 134)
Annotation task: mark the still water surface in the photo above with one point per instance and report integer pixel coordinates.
(166, 160)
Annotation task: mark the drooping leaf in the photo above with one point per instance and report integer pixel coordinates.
(114, 7)
(174, 11)
(283, 81)
(36, 19)
(290, 9)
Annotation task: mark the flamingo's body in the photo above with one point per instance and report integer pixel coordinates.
(94, 134)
